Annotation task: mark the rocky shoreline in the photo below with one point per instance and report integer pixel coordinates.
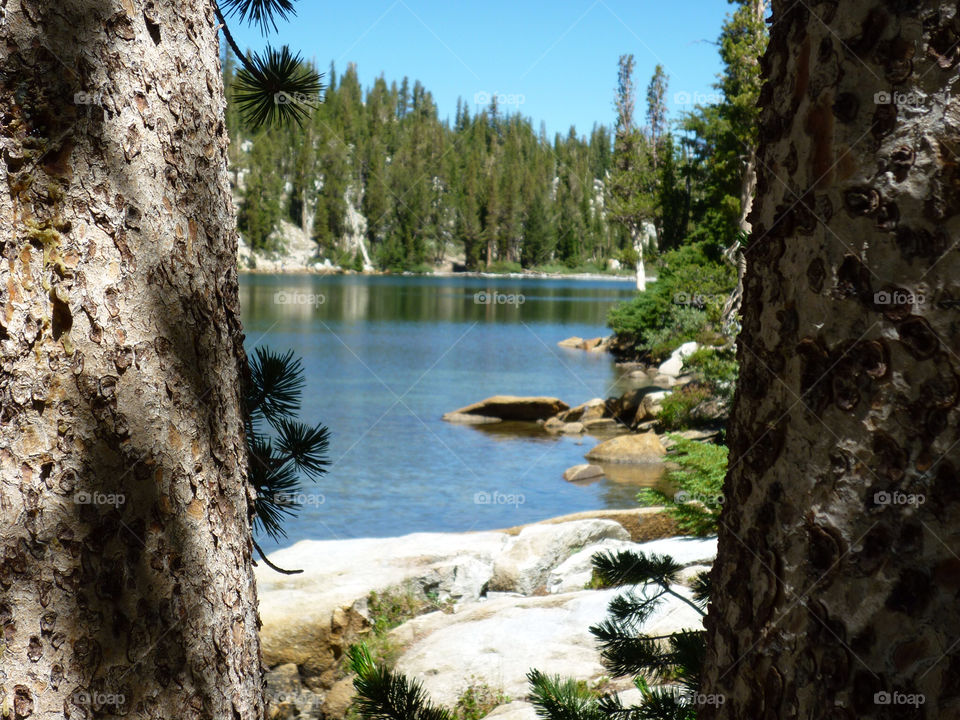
(494, 605)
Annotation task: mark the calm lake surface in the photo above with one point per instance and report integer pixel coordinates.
(386, 356)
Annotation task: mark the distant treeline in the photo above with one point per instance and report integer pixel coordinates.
(487, 185)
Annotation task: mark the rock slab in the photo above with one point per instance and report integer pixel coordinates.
(638, 449)
(509, 407)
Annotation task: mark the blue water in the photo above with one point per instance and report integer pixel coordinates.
(386, 356)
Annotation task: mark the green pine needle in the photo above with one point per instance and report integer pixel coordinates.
(384, 695)
(260, 12)
(273, 478)
(629, 568)
(556, 698)
(701, 588)
(276, 87)
(276, 383)
(305, 446)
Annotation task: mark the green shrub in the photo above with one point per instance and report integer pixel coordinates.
(698, 479)
(717, 368)
(477, 700)
(691, 287)
(676, 409)
(628, 257)
(391, 608)
(420, 268)
(688, 324)
(504, 266)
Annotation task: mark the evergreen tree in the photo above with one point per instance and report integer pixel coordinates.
(630, 190)
(657, 111)
(261, 208)
(538, 236)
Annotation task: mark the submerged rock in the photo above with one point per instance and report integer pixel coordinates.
(509, 407)
(583, 473)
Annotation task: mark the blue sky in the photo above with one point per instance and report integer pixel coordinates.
(552, 61)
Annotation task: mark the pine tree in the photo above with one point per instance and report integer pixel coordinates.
(261, 206)
(657, 111)
(538, 236)
(630, 198)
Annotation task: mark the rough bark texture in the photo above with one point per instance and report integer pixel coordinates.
(834, 584)
(125, 569)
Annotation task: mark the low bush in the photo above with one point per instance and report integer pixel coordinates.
(697, 485)
(677, 408)
(504, 266)
(477, 700)
(685, 300)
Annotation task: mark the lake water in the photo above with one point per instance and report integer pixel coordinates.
(386, 356)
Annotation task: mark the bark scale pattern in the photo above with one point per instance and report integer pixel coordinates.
(836, 587)
(125, 560)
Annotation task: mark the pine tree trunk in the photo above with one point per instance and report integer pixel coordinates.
(835, 588)
(125, 568)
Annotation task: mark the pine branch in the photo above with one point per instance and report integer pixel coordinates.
(276, 87)
(304, 446)
(625, 655)
(263, 556)
(632, 610)
(274, 481)
(260, 12)
(385, 695)
(556, 698)
(276, 384)
(629, 568)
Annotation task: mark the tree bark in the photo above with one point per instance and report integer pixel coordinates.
(125, 551)
(835, 589)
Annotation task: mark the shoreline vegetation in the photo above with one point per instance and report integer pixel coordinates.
(525, 275)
